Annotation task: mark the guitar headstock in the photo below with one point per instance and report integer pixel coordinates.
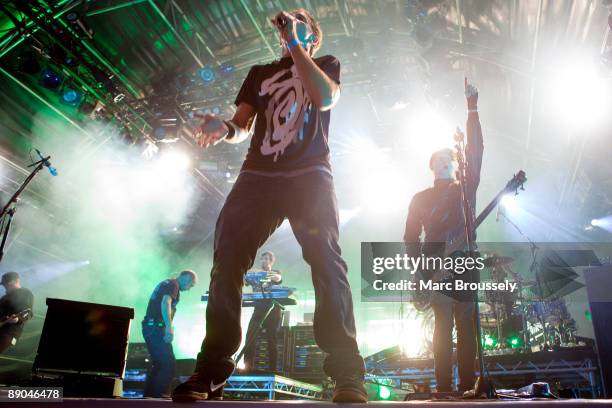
(516, 183)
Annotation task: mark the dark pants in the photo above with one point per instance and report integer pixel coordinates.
(445, 309)
(255, 207)
(163, 362)
(271, 326)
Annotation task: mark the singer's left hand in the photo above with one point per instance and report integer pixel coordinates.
(288, 32)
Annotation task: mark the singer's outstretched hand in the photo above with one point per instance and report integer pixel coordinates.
(211, 130)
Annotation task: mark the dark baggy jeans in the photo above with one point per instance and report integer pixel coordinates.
(445, 309)
(255, 207)
(163, 362)
(271, 326)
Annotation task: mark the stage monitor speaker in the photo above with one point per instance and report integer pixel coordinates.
(83, 338)
(598, 283)
(305, 357)
(262, 352)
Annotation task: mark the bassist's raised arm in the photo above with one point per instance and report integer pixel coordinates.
(474, 146)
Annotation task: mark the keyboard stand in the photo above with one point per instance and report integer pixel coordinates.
(258, 329)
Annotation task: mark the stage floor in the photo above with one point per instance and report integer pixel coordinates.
(152, 403)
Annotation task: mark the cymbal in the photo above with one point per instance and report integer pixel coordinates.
(495, 260)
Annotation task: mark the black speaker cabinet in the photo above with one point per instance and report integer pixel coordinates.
(85, 339)
(599, 289)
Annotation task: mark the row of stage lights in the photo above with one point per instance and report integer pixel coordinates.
(489, 341)
(71, 95)
(68, 93)
(167, 125)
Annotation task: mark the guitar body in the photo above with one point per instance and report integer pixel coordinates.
(22, 316)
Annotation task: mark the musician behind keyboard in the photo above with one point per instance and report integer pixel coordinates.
(260, 282)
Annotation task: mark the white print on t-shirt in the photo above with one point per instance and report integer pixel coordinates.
(287, 111)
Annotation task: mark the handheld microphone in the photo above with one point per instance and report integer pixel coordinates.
(281, 21)
(47, 163)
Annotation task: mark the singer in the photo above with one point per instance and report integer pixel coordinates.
(286, 174)
(438, 211)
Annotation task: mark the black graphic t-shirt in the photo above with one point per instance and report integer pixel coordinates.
(168, 287)
(290, 132)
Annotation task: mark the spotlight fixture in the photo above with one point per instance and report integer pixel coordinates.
(72, 17)
(579, 94)
(489, 341)
(50, 79)
(75, 20)
(71, 97)
(602, 223)
(515, 342)
(226, 70)
(206, 74)
(384, 392)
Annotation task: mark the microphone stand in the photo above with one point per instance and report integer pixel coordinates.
(532, 272)
(10, 207)
(483, 383)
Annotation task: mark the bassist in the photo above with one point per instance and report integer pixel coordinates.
(438, 213)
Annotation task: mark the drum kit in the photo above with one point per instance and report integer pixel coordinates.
(517, 321)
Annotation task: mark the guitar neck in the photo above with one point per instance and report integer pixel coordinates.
(512, 186)
(481, 217)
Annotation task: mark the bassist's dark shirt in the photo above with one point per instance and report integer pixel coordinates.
(15, 301)
(168, 287)
(438, 211)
